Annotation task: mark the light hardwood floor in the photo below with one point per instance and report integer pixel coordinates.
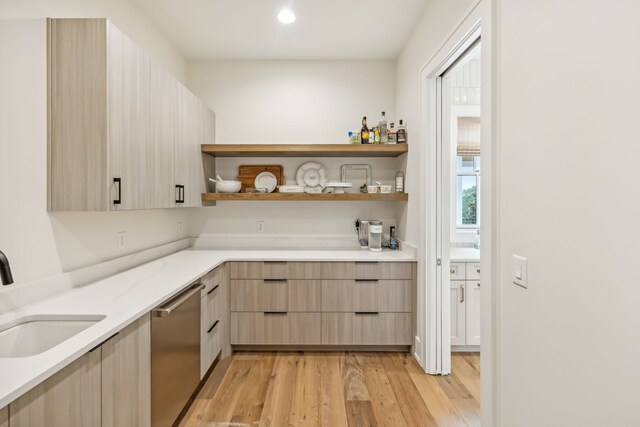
(336, 389)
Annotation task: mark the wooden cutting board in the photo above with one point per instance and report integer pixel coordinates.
(247, 175)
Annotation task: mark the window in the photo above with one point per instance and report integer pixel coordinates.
(467, 192)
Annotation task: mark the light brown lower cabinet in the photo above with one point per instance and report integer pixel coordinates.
(4, 417)
(211, 326)
(70, 398)
(275, 295)
(366, 328)
(276, 328)
(126, 376)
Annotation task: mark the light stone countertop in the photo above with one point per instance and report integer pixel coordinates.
(464, 255)
(126, 296)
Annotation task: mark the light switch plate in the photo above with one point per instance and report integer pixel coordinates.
(519, 271)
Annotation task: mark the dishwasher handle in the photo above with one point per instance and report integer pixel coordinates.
(163, 312)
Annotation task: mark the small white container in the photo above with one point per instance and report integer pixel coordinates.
(385, 189)
(372, 189)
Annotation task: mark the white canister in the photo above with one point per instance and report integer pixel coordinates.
(375, 236)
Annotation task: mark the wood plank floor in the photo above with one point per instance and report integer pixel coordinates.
(336, 389)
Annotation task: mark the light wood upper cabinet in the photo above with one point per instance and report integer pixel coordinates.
(69, 398)
(164, 134)
(122, 130)
(126, 376)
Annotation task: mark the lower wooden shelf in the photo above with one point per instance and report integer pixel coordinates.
(303, 197)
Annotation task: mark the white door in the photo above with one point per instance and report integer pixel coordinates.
(458, 313)
(472, 312)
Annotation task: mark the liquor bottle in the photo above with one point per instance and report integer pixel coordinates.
(376, 135)
(372, 136)
(383, 129)
(391, 137)
(364, 133)
(401, 135)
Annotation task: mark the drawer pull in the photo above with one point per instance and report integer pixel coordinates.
(213, 289)
(365, 313)
(366, 280)
(213, 326)
(367, 262)
(452, 271)
(461, 293)
(478, 270)
(275, 280)
(275, 262)
(275, 312)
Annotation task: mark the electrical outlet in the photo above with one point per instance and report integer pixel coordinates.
(180, 229)
(122, 240)
(259, 226)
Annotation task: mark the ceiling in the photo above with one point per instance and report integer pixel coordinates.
(248, 29)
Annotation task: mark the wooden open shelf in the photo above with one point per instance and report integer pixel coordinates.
(394, 197)
(305, 150)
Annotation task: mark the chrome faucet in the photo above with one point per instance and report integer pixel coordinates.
(5, 270)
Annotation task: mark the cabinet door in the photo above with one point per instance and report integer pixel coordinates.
(457, 290)
(4, 417)
(161, 191)
(126, 376)
(472, 312)
(189, 171)
(71, 397)
(128, 120)
(77, 125)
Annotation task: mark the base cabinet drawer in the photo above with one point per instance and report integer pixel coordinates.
(212, 279)
(366, 295)
(366, 328)
(260, 270)
(275, 328)
(211, 345)
(275, 295)
(457, 271)
(366, 270)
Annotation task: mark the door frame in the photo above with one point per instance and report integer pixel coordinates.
(433, 345)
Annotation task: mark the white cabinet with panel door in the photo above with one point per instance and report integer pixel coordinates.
(464, 289)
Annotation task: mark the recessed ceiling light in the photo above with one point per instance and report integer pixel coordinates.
(286, 16)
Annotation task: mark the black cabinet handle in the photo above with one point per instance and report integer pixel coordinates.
(366, 280)
(214, 288)
(275, 312)
(214, 325)
(367, 262)
(118, 183)
(103, 342)
(275, 280)
(364, 313)
(180, 194)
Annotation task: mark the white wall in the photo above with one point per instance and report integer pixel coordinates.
(438, 21)
(123, 13)
(40, 244)
(568, 184)
(293, 102)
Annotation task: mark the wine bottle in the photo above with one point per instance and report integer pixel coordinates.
(364, 133)
(401, 135)
(383, 129)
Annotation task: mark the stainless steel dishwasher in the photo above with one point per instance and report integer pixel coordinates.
(175, 355)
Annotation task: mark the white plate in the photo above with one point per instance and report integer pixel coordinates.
(266, 180)
(312, 175)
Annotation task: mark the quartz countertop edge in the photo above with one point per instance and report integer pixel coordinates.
(464, 255)
(126, 296)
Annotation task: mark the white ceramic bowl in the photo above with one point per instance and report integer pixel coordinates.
(228, 186)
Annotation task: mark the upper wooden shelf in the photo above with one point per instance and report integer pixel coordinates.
(305, 150)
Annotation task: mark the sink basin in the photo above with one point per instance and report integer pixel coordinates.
(31, 335)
